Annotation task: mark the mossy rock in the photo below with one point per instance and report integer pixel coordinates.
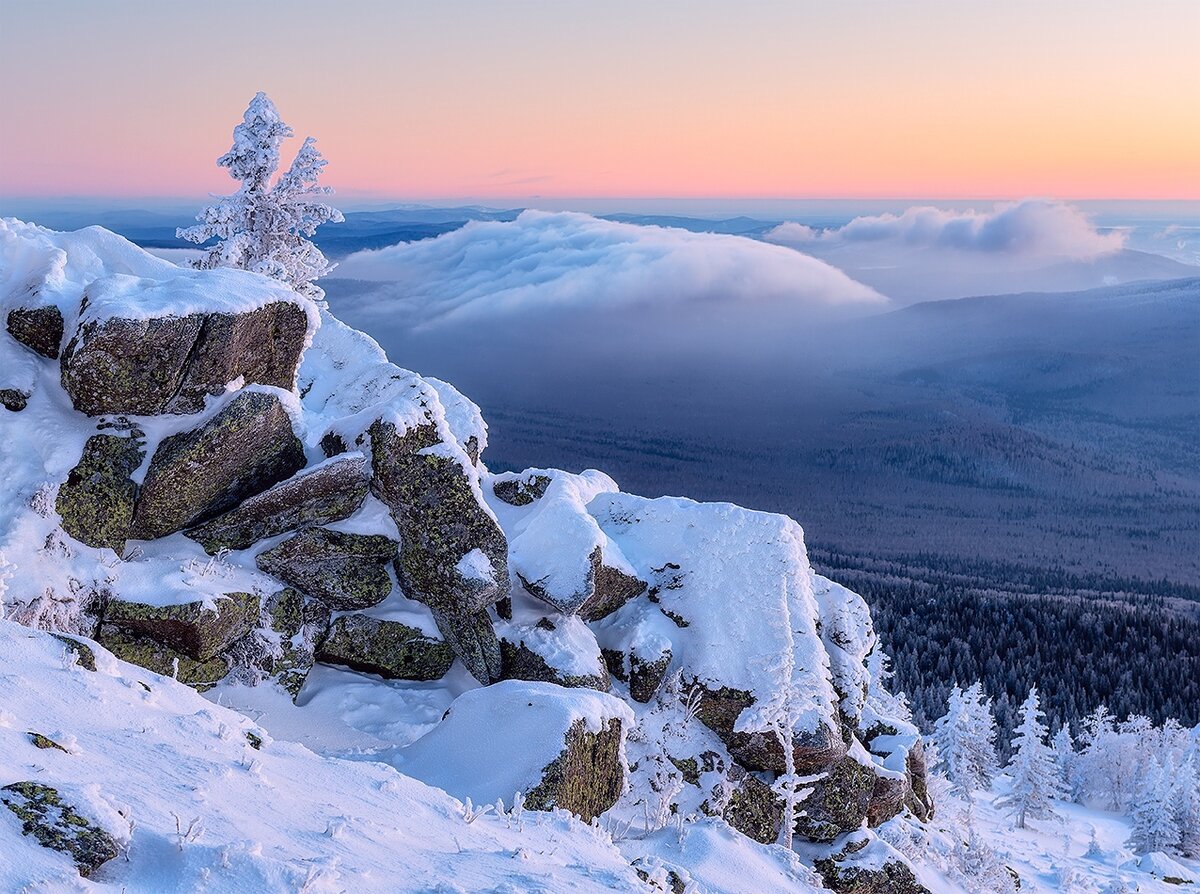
(845, 877)
(646, 677)
(84, 655)
(345, 571)
(14, 399)
(329, 493)
(38, 328)
(387, 648)
(300, 622)
(838, 801)
(888, 798)
(261, 346)
(197, 475)
(440, 519)
(521, 491)
(588, 776)
(610, 588)
(146, 367)
(754, 809)
(97, 499)
(189, 628)
(130, 367)
(519, 662)
(154, 656)
(920, 802)
(57, 825)
(473, 640)
(45, 742)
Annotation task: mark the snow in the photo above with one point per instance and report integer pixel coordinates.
(496, 741)
(279, 819)
(743, 585)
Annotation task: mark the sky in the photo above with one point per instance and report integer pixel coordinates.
(491, 101)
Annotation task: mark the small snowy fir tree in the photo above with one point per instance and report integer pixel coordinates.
(1066, 760)
(263, 226)
(1185, 807)
(1154, 826)
(1035, 778)
(965, 738)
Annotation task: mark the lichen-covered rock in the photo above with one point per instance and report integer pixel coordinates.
(58, 825)
(387, 648)
(865, 865)
(345, 571)
(473, 639)
(888, 798)
(919, 800)
(170, 363)
(38, 328)
(646, 675)
(14, 399)
(84, 656)
(161, 659)
(97, 499)
(192, 628)
(453, 555)
(521, 491)
(330, 492)
(194, 476)
(261, 346)
(838, 801)
(300, 623)
(128, 367)
(519, 662)
(587, 777)
(754, 809)
(610, 589)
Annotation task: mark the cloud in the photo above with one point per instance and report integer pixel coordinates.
(565, 264)
(1031, 228)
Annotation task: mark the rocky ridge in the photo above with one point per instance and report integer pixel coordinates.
(241, 487)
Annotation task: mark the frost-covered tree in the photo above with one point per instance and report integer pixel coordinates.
(1066, 760)
(1185, 806)
(1154, 826)
(1035, 777)
(264, 226)
(966, 740)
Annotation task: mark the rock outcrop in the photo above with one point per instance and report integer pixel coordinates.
(194, 476)
(97, 499)
(387, 648)
(345, 571)
(195, 629)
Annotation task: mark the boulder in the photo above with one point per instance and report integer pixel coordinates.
(387, 648)
(754, 809)
(521, 491)
(588, 777)
(261, 346)
(58, 825)
(330, 492)
(519, 662)
(473, 639)
(610, 589)
(838, 800)
(453, 555)
(154, 656)
(38, 328)
(97, 499)
(197, 475)
(345, 571)
(864, 864)
(889, 796)
(191, 628)
(84, 656)
(646, 675)
(14, 399)
(169, 364)
(300, 623)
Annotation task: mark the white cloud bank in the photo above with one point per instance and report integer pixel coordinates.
(1031, 228)
(560, 264)
(931, 253)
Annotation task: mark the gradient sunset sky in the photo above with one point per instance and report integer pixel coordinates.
(491, 100)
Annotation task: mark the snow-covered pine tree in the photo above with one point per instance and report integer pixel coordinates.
(966, 740)
(1185, 806)
(1099, 758)
(1154, 826)
(1035, 777)
(1067, 762)
(263, 226)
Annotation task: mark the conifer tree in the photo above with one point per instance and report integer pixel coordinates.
(264, 227)
(1035, 777)
(1154, 826)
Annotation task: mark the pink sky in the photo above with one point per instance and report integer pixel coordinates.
(928, 98)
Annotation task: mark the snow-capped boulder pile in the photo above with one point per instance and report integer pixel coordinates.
(219, 482)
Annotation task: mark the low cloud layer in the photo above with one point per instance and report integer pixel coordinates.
(564, 264)
(929, 253)
(1032, 228)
